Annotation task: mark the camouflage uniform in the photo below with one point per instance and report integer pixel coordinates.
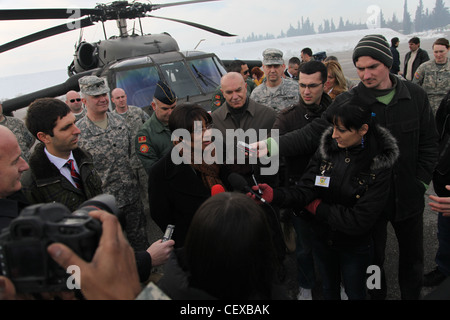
(286, 95)
(80, 115)
(135, 117)
(112, 151)
(435, 80)
(24, 137)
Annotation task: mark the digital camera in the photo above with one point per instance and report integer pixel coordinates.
(23, 245)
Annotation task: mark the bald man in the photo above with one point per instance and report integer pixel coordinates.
(73, 100)
(12, 165)
(241, 112)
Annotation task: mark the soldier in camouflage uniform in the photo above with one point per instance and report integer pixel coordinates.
(17, 126)
(135, 118)
(73, 100)
(434, 75)
(276, 92)
(108, 138)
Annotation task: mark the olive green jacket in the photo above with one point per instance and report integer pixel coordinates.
(44, 183)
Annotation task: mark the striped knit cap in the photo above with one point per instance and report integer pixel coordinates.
(375, 46)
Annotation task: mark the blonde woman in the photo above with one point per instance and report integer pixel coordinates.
(336, 82)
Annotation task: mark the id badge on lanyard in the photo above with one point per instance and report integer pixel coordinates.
(322, 181)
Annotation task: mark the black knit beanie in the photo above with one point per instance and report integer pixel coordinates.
(375, 46)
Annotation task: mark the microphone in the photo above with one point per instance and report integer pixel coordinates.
(216, 189)
(239, 183)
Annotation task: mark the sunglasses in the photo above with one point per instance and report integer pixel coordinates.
(73, 100)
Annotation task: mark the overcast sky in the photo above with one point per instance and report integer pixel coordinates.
(240, 17)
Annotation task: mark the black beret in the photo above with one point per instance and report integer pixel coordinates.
(164, 94)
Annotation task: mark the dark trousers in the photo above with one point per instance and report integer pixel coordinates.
(409, 233)
(303, 252)
(342, 264)
(443, 252)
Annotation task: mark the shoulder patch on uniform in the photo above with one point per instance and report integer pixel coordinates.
(217, 103)
(142, 139)
(144, 148)
(417, 75)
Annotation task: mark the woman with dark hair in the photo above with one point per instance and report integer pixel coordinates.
(228, 254)
(179, 183)
(257, 75)
(344, 189)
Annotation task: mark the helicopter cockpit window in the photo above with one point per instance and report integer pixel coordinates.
(207, 73)
(179, 79)
(139, 84)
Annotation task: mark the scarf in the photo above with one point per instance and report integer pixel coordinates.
(209, 174)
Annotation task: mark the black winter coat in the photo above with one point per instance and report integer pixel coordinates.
(354, 199)
(410, 120)
(441, 176)
(175, 193)
(290, 119)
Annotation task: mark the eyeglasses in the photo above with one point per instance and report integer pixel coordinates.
(247, 72)
(310, 86)
(73, 100)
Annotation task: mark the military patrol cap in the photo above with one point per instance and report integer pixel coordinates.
(164, 94)
(93, 86)
(272, 57)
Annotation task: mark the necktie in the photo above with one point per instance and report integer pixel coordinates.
(75, 176)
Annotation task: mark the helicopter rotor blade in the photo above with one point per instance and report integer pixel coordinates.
(34, 14)
(73, 25)
(196, 25)
(165, 5)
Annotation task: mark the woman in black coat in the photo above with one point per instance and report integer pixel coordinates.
(178, 184)
(345, 188)
(229, 254)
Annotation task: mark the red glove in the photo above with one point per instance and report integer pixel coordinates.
(267, 192)
(312, 207)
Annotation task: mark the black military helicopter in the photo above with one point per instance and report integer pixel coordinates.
(133, 62)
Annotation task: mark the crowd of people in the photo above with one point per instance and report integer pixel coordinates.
(352, 157)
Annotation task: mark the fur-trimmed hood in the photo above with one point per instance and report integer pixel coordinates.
(389, 147)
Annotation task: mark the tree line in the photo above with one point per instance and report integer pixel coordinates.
(423, 19)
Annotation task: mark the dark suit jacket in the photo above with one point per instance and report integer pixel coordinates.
(422, 56)
(175, 194)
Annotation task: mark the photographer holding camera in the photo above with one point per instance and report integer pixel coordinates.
(112, 273)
